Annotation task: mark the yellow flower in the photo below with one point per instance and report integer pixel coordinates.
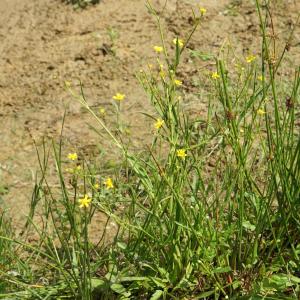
(179, 41)
(96, 186)
(260, 78)
(261, 112)
(72, 156)
(102, 111)
(78, 168)
(109, 183)
(215, 75)
(181, 153)
(159, 123)
(158, 49)
(250, 58)
(202, 11)
(84, 202)
(177, 82)
(119, 97)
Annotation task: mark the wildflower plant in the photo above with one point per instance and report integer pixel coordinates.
(210, 210)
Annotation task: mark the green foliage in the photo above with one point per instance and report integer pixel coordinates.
(209, 211)
(5, 248)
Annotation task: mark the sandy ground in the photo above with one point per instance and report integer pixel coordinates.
(45, 42)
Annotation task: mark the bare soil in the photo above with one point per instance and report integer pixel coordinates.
(44, 43)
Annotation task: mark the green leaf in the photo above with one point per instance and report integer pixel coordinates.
(157, 295)
(236, 284)
(279, 283)
(118, 288)
(183, 284)
(121, 245)
(248, 225)
(222, 270)
(159, 282)
(96, 283)
(205, 294)
(133, 278)
(282, 281)
(294, 279)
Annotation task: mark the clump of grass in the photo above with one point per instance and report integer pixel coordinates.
(210, 210)
(5, 248)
